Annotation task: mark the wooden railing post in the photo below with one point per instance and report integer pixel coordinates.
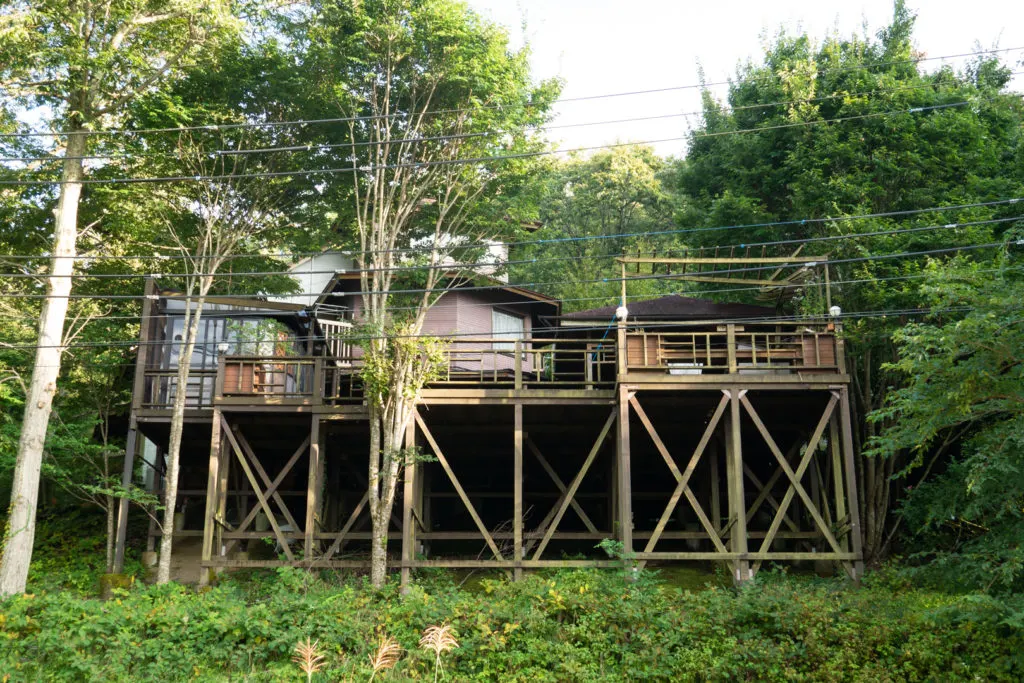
(730, 336)
(518, 350)
(317, 388)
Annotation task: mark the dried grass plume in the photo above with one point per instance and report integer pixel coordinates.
(386, 656)
(309, 657)
(438, 639)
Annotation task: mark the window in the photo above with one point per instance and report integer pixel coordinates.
(506, 326)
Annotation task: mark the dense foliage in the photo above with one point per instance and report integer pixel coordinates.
(569, 625)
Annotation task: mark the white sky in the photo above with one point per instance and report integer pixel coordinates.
(612, 46)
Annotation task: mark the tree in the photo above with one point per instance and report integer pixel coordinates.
(960, 415)
(620, 191)
(433, 86)
(849, 127)
(83, 63)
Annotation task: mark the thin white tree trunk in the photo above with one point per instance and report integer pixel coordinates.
(111, 531)
(17, 553)
(163, 571)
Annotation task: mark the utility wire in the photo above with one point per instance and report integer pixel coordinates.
(474, 160)
(507, 304)
(439, 290)
(370, 117)
(513, 262)
(321, 147)
(473, 336)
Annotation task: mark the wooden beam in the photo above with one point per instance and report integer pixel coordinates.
(577, 480)
(439, 454)
(211, 488)
(796, 260)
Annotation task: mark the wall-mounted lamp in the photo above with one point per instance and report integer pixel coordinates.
(222, 348)
(835, 311)
(621, 313)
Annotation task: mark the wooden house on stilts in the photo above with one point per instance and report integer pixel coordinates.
(682, 428)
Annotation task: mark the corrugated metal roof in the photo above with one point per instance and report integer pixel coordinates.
(675, 307)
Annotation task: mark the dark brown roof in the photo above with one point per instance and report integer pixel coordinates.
(675, 307)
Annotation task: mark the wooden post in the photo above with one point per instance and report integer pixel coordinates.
(126, 481)
(737, 503)
(851, 481)
(517, 503)
(138, 397)
(730, 336)
(313, 488)
(408, 495)
(625, 486)
(223, 470)
(212, 491)
(837, 477)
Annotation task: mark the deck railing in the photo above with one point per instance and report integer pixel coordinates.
(734, 350)
(494, 362)
(160, 388)
(528, 363)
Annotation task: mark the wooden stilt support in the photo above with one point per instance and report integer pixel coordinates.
(851, 482)
(131, 444)
(313, 488)
(517, 494)
(212, 493)
(408, 493)
(625, 491)
(737, 503)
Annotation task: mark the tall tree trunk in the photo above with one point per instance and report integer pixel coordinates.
(163, 570)
(21, 521)
(111, 531)
(379, 533)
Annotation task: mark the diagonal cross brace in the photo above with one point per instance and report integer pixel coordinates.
(262, 473)
(561, 488)
(345, 529)
(682, 479)
(574, 486)
(259, 493)
(793, 478)
(458, 487)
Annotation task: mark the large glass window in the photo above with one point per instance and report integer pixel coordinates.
(506, 326)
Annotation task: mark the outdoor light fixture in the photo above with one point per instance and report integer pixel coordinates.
(621, 313)
(835, 311)
(222, 348)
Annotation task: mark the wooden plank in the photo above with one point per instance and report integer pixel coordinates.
(577, 480)
(728, 260)
(439, 454)
(259, 494)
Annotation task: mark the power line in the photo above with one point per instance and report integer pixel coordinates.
(471, 336)
(438, 290)
(507, 304)
(370, 117)
(321, 147)
(479, 159)
(513, 262)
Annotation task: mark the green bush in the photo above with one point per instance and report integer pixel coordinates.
(565, 626)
